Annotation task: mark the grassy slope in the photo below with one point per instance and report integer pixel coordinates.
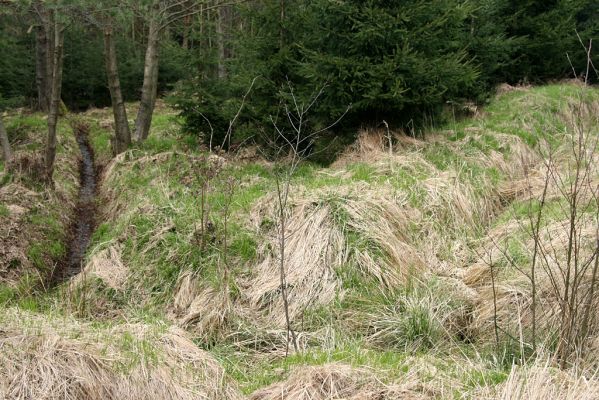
(452, 188)
(41, 215)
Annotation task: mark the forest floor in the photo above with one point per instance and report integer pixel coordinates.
(389, 257)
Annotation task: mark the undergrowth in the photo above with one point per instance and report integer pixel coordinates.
(400, 311)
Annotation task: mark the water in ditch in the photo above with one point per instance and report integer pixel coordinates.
(83, 222)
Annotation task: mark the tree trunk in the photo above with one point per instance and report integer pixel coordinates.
(6, 150)
(282, 23)
(143, 120)
(186, 29)
(222, 30)
(121, 124)
(54, 101)
(50, 28)
(41, 76)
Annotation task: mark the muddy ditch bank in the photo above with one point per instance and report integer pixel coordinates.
(83, 220)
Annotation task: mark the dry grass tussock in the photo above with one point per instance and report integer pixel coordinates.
(540, 382)
(513, 292)
(454, 209)
(201, 309)
(107, 266)
(212, 314)
(373, 146)
(519, 158)
(507, 88)
(338, 381)
(127, 362)
(317, 246)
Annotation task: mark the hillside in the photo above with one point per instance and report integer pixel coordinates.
(408, 262)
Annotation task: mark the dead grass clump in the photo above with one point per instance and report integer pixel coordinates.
(317, 245)
(507, 88)
(512, 296)
(369, 145)
(51, 368)
(578, 114)
(371, 141)
(488, 252)
(187, 290)
(128, 363)
(28, 166)
(207, 314)
(314, 249)
(541, 382)
(517, 158)
(521, 189)
(107, 266)
(374, 147)
(335, 381)
(450, 201)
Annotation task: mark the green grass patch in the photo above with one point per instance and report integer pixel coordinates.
(254, 374)
(4, 212)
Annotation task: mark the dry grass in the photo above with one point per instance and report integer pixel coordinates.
(207, 313)
(73, 361)
(107, 266)
(337, 382)
(374, 229)
(513, 290)
(317, 246)
(507, 88)
(541, 382)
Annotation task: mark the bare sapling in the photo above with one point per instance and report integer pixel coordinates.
(225, 266)
(204, 175)
(561, 228)
(292, 142)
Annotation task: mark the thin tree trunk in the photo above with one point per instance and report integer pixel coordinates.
(222, 29)
(121, 124)
(186, 29)
(6, 150)
(143, 120)
(55, 102)
(282, 23)
(44, 54)
(282, 197)
(49, 28)
(41, 60)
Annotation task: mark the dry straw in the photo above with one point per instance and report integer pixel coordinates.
(131, 362)
(337, 382)
(317, 247)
